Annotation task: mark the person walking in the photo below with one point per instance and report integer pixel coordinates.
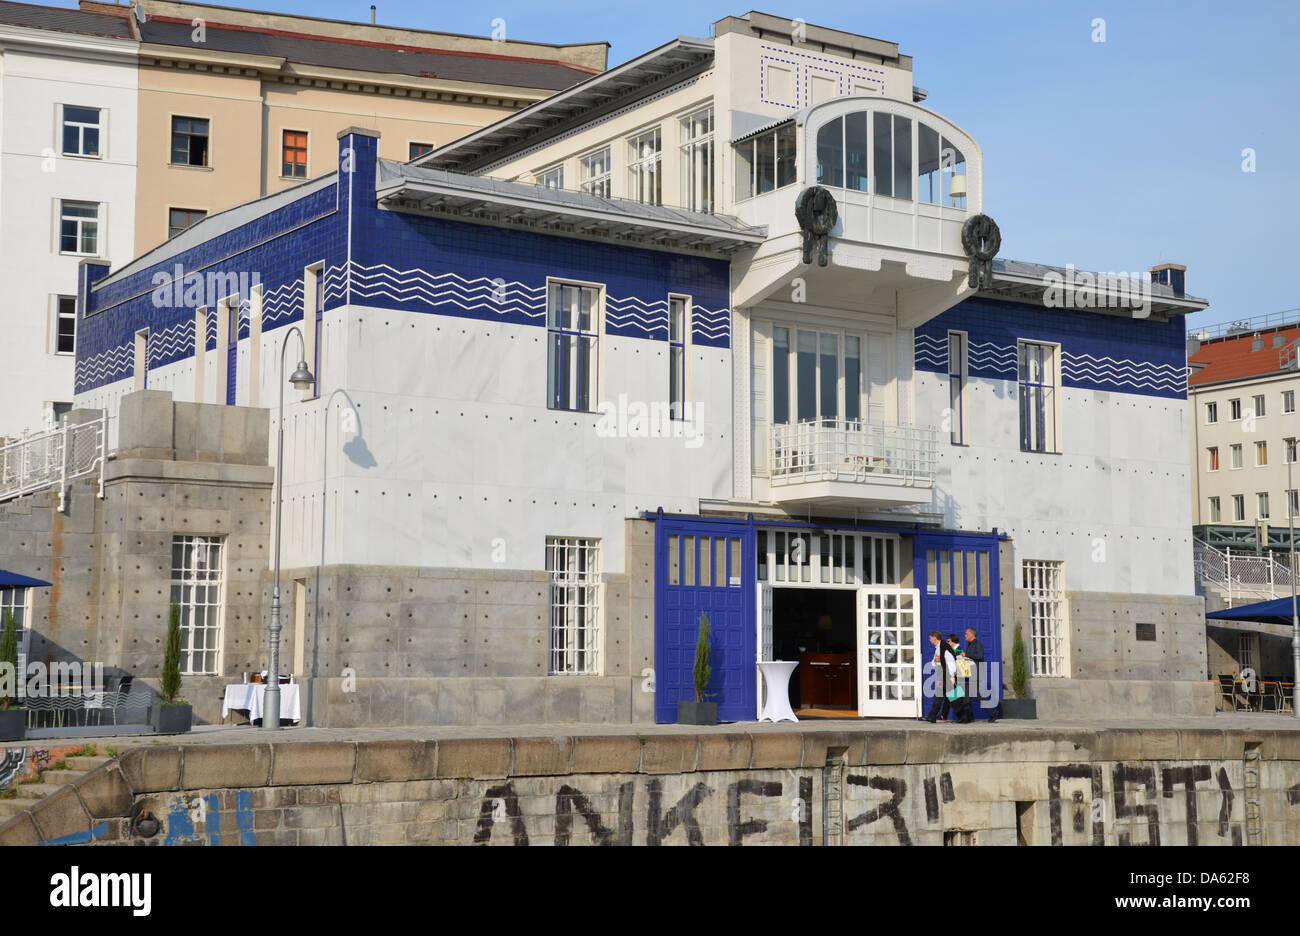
(981, 677)
(961, 704)
(945, 668)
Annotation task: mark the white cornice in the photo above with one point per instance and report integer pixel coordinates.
(56, 42)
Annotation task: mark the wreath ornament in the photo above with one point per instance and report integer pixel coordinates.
(981, 240)
(816, 212)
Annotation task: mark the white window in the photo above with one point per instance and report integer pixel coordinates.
(1234, 409)
(678, 340)
(808, 557)
(593, 173)
(1288, 401)
(1044, 580)
(644, 178)
(766, 162)
(1211, 412)
(1236, 455)
(552, 177)
(65, 325)
(1261, 505)
(697, 161)
(1293, 503)
(13, 601)
(957, 386)
(1039, 379)
(1259, 405)
(1215, 512)
(1213, 452)
(1261, 454)
(1289, 450)
(1238, 507)
(572, 324)
(573, 565)
(197, 586)
(820, 375)
(81, 129)
(78, 227)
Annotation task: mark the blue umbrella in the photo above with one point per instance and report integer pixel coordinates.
(14, 580)
(1277, 611)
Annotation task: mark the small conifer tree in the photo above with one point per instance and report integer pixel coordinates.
(171, 668)
(702, 671)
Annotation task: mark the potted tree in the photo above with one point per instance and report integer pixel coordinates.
(171, 715)
(1021, 706)
(13, 722)
(700, 712)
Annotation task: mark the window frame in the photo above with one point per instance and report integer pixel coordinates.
(412, 155)
(97, 222)
(1261, 453)
(1049, 627)
(1238, 508)
(1236, 457)
(172, 134)
(750, 188)
(793, 328)
(600, 184)
(638, 165)
(99, 128)
(596, 336)
(1213, 453)
(172, 230)
(961, 376)
(1051, 443)
(1259, 405)
(688, 147)
(60, 316)
(1288, 402)
(1261, 505)
(186, 575)
(583, 600)
(1215, 509)
(679, 351)
(285, 149)
(540, 177)
(1211, 413)
(1234, 409)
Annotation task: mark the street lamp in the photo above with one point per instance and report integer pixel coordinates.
(302, 379)
(1295, 618)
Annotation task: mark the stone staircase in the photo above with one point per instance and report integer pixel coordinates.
(51, 781)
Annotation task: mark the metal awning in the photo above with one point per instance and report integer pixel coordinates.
(14, 580)
(402, 186)
(1277, 611)
(613, 88)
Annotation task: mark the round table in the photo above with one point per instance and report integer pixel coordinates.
(776, 676)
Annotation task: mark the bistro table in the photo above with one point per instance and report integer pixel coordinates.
(776, 676)
(249, 696)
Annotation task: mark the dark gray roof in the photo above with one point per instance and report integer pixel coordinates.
(63, 20)
(563, 211)
(370, 57)
(1022, 268)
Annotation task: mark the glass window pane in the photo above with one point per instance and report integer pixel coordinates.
(806, 375)
(882, 149)
(745, 170)
(765, 164)
(855, 151)
(852, 377)
(830, 153)
(780, 376)
(902, 157)
(927, 169)
(954, 164)
(830, 376)
(785, 156)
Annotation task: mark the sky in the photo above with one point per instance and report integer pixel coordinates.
(1111, 155)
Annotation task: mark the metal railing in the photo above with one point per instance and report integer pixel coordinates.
(53, 458)
(854, 451)
(1246, 326)
(1240, 576)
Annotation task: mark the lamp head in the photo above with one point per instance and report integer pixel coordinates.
(302, 378)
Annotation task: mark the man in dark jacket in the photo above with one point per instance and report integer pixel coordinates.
(975, 653)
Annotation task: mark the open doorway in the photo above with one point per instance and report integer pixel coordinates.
(818, 628)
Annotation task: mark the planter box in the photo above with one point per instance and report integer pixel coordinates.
(697, 713)
(13, 725)
(1019, 708)
(171, 719)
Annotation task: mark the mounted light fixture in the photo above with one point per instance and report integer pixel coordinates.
(302, 378)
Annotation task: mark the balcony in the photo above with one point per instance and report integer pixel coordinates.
(852, 462)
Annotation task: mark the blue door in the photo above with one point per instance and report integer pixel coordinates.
(704, 567)
(957, 575)
(232, 355)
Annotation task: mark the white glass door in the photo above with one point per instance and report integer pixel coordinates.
(889, 652)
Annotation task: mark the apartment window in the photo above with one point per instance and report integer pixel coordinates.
(13, 601)
(817, 375)
(1239, 507)
(892, 149)
(179, 219)
(1289, 451)
(197, 585)
(419, 149)
(1214, 457)
(1211, 412)
(1215, 513)
(1293, 503)
(552, 178)
(1288, 401)
(78, 227)
(1261, 454)
(1234, 409)
(766, 162)
(677, 339)
(573, 566)
(957, 386)
(644, 178)
(1259, 405)
(81, 127)
(1261, 505)
(1044, 580)
(572, 318)
(293, 164)
(593, 173)
(1037, 378)
(65, 325)
(189, 141)
(697, 161)
(1236, 455)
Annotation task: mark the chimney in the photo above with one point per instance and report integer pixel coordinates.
(1173, 275)
(372, 14)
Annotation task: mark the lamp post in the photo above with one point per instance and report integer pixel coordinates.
(301, 379)
(1295, 618)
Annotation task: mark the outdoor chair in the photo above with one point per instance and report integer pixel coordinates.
(1228, 690)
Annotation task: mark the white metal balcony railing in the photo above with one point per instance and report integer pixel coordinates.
(53, 457)
(1241, 576)
(854, 451)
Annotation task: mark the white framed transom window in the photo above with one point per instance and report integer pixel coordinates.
(198, 584)
(593, 173)
(1048, 628)
(573, 566)
(644, 164)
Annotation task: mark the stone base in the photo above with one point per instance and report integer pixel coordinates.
(1122, 698)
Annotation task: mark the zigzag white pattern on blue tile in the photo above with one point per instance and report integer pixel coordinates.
(469, 295)
(107, 366)
(177, 340)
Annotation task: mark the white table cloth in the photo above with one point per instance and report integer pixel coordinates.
(776, 676)
(250, 695)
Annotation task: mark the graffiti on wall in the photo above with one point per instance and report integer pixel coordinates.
(19, 763)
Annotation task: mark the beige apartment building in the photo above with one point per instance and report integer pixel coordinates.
(1244, 384)
(236, 104)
